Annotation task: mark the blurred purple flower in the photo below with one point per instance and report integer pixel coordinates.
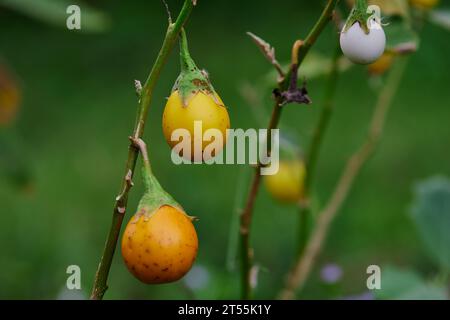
(197, 278)
(331, 273)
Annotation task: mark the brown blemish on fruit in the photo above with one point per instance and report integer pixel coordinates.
(164, 258)
(199, 83)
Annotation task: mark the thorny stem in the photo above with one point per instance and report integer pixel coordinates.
(247, 213)
(312, 154)
(300, 272)
(101, 277)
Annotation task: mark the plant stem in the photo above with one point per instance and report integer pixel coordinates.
(246, 216)
(324, 120)
(247, 213)
(326, 16)
(303, 227)
(314, 148)
(100, 282)
(300, 272)
(233, 235)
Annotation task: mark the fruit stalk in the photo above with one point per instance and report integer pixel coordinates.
(151, 184)
(191, 80)
(301, 269)
(185, 57)
(247, 213)
(145, 95)
(361, 5)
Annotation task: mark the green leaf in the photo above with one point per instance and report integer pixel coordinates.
(401, 38)
(431, 213)
(440, 18)
(53, 12)
(403, 284)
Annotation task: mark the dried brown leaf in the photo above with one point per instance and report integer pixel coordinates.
(268, 52)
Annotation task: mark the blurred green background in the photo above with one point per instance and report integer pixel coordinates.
(63, 156)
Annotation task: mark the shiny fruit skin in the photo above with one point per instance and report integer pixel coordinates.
(362, 48)
(383, 64)
(201, 107)
(160, 248)
(424, 4)
(287, 185)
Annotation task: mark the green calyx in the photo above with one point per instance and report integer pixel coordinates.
(155, 196)
(360, 15)
(192, 80)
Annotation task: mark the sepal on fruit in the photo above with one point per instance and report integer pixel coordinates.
(155, 196)
(359, 14)
(363, 39)
(192, 80)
